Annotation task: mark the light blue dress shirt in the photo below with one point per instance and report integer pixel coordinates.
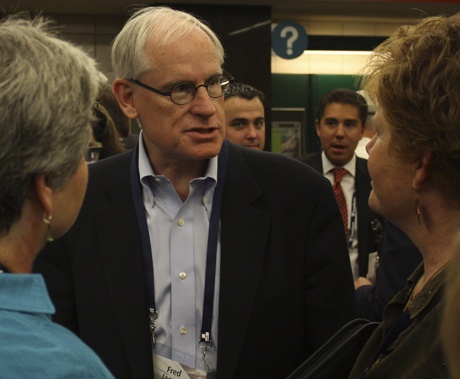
(178, 238)
(31, 345)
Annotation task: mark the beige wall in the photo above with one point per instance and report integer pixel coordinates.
(95, 34)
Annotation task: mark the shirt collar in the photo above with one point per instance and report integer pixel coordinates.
(328, 166)
(146, 170)
(25, 293)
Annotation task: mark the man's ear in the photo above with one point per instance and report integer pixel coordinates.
(421, 171)
(44, 193)
(124, 94)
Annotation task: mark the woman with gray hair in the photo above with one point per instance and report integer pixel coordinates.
(47, 89)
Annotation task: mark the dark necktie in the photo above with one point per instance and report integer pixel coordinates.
(339, 173)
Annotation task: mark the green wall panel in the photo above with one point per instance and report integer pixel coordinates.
(290, 91)
(305, 91)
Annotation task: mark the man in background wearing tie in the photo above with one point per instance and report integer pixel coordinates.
(339, 125)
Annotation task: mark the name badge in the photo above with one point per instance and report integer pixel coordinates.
(165, 368)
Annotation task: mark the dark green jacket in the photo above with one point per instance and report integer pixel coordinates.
(417, 353)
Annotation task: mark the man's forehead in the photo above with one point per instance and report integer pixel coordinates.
(337, 105)
(341, 110)
(345, 119)
(238, 102)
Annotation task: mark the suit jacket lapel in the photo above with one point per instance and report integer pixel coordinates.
(124, 268)
(363, 188)
(317, 162)
(244, 235)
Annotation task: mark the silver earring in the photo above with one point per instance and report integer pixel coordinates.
(47, 220)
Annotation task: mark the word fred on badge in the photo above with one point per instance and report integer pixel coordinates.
(174, 373)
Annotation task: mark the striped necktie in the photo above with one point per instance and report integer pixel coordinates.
(339, 173)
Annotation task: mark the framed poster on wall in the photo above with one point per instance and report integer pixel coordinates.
(287, 131)
(286, 138)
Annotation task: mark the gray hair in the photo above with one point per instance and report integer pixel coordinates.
(129, 58)
(47, 89)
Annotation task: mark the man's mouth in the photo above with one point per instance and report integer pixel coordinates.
(203, 134)
(338, 147)
(203, 130)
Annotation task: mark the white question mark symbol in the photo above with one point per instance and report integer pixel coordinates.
(294, 35)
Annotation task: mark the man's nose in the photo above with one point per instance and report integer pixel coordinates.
(203, 103)
(251, 132)
(340, 130)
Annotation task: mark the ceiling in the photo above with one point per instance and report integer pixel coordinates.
(345, 8)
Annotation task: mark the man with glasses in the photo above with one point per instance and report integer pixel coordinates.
(195, 256)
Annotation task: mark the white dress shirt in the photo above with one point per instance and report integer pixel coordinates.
(178, 237)
(360, 150)
(348, 187)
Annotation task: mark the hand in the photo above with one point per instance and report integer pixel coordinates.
(361, 281)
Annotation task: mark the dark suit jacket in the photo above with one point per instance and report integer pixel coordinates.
(285, 284)
(368, 239)
(131, 141)
(398, 258)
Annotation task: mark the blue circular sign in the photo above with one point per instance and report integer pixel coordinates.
(289, 39)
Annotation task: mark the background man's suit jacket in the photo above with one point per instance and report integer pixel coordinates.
(285, 284)
(398, 258)
(368, 239)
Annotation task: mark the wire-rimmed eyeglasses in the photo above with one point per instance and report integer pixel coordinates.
(93, 152)
(184, 92)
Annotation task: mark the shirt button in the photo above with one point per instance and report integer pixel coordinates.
(182, 275)
(181, 222)
(183, 330)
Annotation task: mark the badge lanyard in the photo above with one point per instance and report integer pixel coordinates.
(352, 221)
(205, 341)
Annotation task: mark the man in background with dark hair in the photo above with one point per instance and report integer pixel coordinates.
(342, 114)
(245, 116)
